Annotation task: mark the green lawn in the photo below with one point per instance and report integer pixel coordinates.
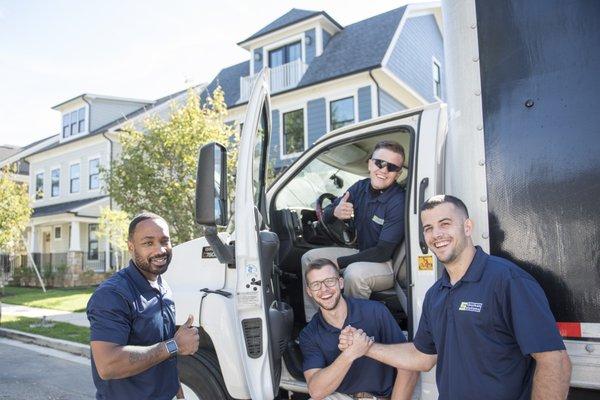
(60, 330)
(57, 299)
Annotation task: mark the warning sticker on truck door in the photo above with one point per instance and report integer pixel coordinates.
(426, 263)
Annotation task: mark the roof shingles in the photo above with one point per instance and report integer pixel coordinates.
(358, 47)
(60, 208)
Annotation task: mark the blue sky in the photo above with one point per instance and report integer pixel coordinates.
(51, 51)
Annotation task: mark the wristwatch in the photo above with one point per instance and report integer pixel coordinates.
(172, 347)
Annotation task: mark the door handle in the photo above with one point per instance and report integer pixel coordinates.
(422, 186)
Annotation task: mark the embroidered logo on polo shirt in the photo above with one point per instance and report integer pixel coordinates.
(470, 306)
(377, 220)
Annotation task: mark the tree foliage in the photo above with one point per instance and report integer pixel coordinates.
(15, 210)
(113, 226)
(156, 170)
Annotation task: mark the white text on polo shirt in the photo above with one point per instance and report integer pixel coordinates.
(470, 306)
(378, 220)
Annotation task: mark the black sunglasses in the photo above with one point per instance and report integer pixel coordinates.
(383, 164)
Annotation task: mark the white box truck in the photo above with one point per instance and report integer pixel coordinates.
(518, 142)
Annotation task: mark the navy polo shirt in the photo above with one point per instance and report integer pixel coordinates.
(378, 215)
(126, 310)
(319, 345)
(484, 329)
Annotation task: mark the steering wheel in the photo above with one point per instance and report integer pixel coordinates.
(341, 232)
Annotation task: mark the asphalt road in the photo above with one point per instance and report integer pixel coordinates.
(35, 373)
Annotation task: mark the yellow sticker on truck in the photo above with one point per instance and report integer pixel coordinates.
(426, 263)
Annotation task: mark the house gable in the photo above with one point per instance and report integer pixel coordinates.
(419, 45)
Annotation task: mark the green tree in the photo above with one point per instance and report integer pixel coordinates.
(15, 210)
(113, 226)
(156, 170)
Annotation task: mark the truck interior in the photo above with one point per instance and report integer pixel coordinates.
(293, 217)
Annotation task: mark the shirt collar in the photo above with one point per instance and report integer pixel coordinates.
(351, 319)
(383, 195)
(475, 270)
(139, 280)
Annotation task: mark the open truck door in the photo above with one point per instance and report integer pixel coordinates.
(259, 315)
(250, 313)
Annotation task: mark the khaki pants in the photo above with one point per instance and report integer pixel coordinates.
(360, 278)
(341, 396)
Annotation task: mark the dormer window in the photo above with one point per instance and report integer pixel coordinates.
(73, 123)
(285, 54)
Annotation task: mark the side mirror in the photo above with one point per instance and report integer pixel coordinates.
(211, 185)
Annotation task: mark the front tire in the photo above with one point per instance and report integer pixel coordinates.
(200, 376)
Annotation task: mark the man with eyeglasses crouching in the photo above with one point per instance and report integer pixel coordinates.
(377, 206)
(342, 375)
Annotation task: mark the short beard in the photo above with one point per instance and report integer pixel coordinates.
(145, 265)
(335, 303)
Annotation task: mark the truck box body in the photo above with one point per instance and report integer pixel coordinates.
(539, 64)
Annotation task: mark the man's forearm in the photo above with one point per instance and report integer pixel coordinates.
(327, 380)
(118, 362)
(404, 385)
(552, 376)
(402, 356)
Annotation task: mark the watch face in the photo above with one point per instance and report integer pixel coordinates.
(172, 346)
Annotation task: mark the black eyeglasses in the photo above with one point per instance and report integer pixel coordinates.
(329, 282)
(383, 164)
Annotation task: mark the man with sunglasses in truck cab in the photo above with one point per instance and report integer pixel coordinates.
(377, 205)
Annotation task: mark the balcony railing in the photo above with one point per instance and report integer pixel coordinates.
(283, 77)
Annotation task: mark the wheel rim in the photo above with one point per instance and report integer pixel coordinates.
(188, 393)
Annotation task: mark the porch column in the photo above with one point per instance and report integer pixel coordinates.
(75, 239)
(107, 254)
(33, 239)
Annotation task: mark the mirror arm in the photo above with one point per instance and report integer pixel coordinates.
(224, 252)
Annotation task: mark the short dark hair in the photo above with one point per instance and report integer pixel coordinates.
(435, 201)
(389, 145)
(318, 264)
(139, 218)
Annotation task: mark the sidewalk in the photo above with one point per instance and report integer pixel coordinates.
(75, 318)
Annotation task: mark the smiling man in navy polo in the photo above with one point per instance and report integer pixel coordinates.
(486, 323)
(333, 374)
(132, 322)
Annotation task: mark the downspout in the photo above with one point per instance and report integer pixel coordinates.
(89, 113)
(110, 159)
(377, 86)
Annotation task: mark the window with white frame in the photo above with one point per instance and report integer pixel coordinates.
(74, 178)
(57, 232)
(285, 54)
(55, 182)
(92, 241)
(341, 112)
(437, 80)
(73, 123)
(39, 185)
(94, 174)
(293, 132)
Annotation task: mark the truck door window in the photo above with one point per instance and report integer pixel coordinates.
(259, 159)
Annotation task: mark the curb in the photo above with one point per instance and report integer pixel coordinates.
(77, 349)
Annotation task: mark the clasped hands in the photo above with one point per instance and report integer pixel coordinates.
(354, 343)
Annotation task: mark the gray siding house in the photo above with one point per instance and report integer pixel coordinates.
(324, 75)
(65, 182)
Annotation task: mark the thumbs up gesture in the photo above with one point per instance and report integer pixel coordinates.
(344, 209)
(187, 337)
